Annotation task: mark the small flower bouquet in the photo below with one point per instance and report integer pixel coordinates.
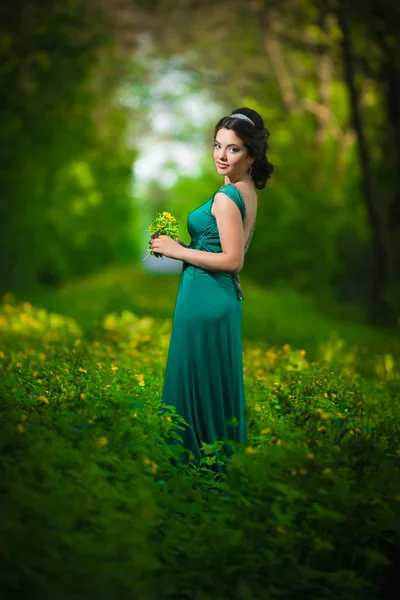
(163, 224)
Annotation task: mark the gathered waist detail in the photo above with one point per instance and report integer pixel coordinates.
(197, 272)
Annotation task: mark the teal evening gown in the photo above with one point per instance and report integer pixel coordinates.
(204, 373)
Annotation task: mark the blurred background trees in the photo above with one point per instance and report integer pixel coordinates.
(78, 111)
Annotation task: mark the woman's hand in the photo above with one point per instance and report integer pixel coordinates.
(165, 245)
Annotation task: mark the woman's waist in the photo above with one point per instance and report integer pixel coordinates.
(197, 271)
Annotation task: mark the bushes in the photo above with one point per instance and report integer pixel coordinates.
(95, 509)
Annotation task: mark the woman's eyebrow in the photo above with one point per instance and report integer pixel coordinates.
(227, 145)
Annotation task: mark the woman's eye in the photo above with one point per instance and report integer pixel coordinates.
(233, 149)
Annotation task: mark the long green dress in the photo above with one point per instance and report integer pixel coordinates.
(204, 372)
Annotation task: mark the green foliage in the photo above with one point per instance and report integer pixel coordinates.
(66, 207)
(277, 314)
(95, 509)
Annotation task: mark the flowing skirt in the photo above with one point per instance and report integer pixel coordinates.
(204, 373)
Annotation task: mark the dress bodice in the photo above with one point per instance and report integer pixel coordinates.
(203, 229)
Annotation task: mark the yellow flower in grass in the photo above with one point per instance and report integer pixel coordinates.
(103, 441)
(20, 427)
(43, 399)
(281, 530)
(81, 370)
(114, 368)
(251, 450)
(140, 379)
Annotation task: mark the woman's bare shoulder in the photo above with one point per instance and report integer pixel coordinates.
(248, 191)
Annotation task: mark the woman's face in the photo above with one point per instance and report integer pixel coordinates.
(230, 156)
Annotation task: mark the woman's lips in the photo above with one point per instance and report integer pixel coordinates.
(221, 166)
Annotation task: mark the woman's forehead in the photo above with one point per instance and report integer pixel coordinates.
(228, 136)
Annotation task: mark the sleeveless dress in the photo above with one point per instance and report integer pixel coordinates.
(204, 373)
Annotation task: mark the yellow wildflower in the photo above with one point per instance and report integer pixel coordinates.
(42, 356)
(103, 441)
(23, 418)
(114, 368)
(43, 399)
(250, 450)
(140, 379)
(302, 352)
(82, 396)
(20, 428)
(281, 530)
(81, 370)
(327, 470)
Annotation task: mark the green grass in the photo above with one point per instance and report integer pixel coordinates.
(93, 507)
(274, 316)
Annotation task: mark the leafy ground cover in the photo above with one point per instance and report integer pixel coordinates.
(93, 507)
(275, 315)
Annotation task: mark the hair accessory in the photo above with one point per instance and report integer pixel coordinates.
(244, 117)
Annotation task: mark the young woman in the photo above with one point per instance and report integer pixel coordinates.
(204, 373)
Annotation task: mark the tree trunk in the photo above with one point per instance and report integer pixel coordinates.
(379, 310)
(324, 79)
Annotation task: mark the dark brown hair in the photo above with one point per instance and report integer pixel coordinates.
(255, 139)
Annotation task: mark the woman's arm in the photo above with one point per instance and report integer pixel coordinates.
(230, 229)
(209, 261)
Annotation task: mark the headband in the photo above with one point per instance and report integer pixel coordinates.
(244, 117)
